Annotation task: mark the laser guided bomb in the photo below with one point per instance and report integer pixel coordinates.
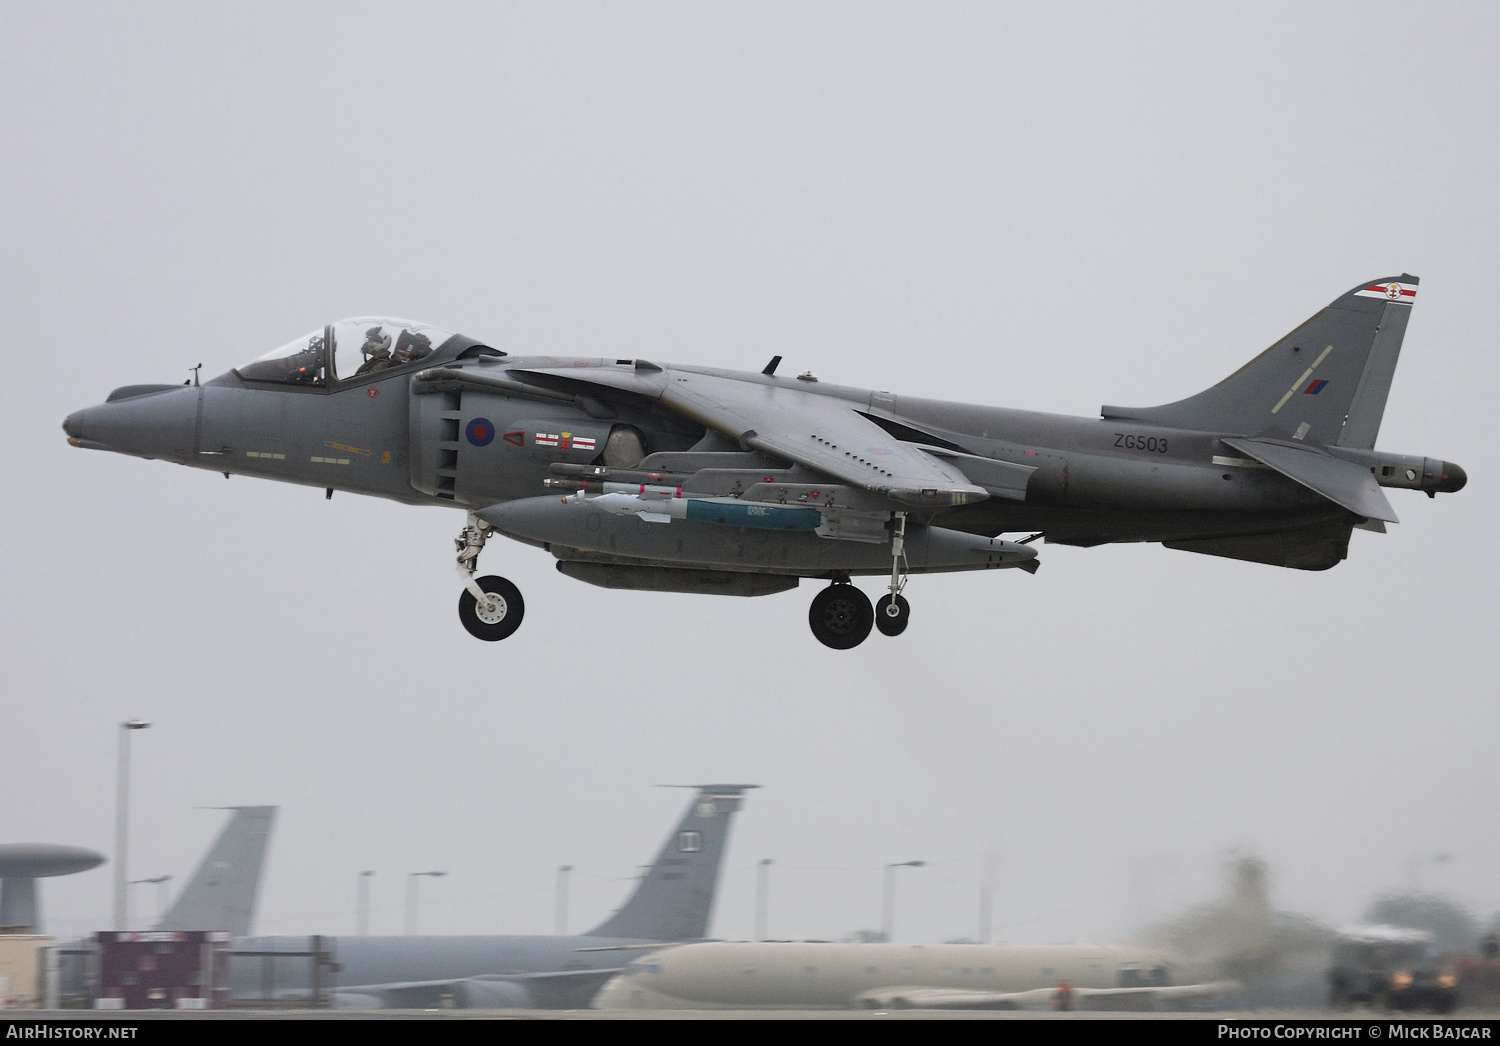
(692, 479)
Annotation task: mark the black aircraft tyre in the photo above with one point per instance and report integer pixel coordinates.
(841, 617)
(498, 622)
(892, 624)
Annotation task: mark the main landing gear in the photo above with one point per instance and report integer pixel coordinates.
(841, 615)
(491, 608)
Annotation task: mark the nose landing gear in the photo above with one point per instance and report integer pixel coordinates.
(490, 608)
(498, 616)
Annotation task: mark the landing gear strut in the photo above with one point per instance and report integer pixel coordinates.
(491, 608)
(893, 613)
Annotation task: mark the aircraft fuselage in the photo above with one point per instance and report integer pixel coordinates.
(692, 479)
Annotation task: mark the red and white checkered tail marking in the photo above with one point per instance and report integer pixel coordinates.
(1405, 293)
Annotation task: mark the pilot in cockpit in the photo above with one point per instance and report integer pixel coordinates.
(377, 352)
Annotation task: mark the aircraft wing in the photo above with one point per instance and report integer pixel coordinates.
(826, 433)
(1142, 998)
(563, 989)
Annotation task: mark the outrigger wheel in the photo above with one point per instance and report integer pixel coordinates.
(841, 616)
(892, 614)
(497, 619)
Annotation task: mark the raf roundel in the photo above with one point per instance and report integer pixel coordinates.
(480, 432)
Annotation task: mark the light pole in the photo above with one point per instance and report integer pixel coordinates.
(362, 904)
(411, 897)
(762, 896)
(562, 898)
(888, 921)
(122, 812)
(984, 912)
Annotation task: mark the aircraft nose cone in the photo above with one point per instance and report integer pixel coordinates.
(160, 422)
(1453, 478)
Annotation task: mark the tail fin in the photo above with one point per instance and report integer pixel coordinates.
(1326, 382)
(675, 897)
(222, 892)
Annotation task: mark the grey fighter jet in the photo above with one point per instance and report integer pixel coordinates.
(657, 476)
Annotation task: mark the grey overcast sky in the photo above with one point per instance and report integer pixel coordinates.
(1049, 206)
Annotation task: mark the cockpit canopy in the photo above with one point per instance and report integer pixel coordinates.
(352, 348)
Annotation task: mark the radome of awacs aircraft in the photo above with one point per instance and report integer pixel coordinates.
(656, 476)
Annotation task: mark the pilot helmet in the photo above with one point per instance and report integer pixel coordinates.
(376, 342)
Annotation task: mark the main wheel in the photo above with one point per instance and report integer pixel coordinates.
(892, 615)
(503, 615)
(841, 616)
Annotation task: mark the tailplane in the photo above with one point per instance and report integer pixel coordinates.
(221, 894)
(675, 897)
(1324, 383)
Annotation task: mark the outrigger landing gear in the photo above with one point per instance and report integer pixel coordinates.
(841, 615)
(491, 608)
(893, 613)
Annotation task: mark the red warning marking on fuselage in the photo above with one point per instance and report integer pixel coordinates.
(515, 438)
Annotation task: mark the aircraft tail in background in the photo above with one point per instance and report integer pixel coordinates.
(222, 893)
(674, 899)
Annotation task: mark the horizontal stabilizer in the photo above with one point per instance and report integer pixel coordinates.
(1342, 482)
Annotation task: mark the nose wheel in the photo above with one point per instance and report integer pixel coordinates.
(498, 615)
(491, 607)
(841, 616)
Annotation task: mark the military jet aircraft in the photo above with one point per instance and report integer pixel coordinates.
(672, 901)
(690, 479)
